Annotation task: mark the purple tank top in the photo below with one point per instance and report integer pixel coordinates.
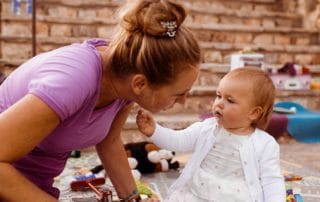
(68, 80)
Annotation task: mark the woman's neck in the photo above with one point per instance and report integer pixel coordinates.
(108, 93)
(109, 87)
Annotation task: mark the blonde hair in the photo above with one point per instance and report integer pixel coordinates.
(141, 44)
(263, 91)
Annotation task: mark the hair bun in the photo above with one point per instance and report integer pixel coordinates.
(153, 17)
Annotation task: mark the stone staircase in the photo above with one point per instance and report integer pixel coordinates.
(274, 28)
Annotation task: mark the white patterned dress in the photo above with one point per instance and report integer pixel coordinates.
(220, 177)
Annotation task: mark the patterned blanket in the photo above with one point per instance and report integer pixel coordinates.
(296, 159)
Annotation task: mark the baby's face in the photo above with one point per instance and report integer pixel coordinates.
(234, 104)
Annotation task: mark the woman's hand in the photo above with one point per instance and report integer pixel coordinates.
(145, 122)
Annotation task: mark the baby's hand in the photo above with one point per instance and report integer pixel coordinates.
(145, 122)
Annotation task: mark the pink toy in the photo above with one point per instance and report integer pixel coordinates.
(291, 77)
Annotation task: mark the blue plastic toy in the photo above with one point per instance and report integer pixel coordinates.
(304, 125)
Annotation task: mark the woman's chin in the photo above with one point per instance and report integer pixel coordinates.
(168, 108)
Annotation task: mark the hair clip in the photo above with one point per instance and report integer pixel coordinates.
(170, 26)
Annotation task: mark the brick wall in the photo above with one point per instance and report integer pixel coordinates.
(272, 27)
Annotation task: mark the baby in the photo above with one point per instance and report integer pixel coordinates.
(233, 158)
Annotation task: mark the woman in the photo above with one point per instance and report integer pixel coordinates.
(80, 95)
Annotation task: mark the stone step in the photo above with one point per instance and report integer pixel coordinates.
(220, 52)
(210, 67)
(214, 52)
(206, 31)
(205, 25)
(120, 2)
(76, 3)
(58, 20)
(270, 4)
(100, 11)
(245, 5)
(218, 12)
(221, 40)
(245, 28)
(82, 3)
(209, 71)
(275, 48)
(220, 9)
(222, 68)
(200, 99)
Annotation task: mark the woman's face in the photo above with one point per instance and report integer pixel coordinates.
(164, 98)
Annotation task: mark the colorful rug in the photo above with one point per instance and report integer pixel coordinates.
(296, 159)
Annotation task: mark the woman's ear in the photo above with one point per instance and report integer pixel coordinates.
(138, 83)
(255, 113)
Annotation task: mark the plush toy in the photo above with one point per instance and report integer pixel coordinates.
(151, 158)
(146, 157)
(133, 165)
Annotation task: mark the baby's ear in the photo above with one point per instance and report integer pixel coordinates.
(255, 113)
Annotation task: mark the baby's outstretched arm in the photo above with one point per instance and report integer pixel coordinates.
(145, 122)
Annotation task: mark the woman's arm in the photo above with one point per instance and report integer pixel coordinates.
(23, 126)
(114, 158)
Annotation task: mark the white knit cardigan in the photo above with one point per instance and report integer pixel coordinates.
(259, 156)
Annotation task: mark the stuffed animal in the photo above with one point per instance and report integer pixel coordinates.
(146, 157)
(133, 165)
(151, 158)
